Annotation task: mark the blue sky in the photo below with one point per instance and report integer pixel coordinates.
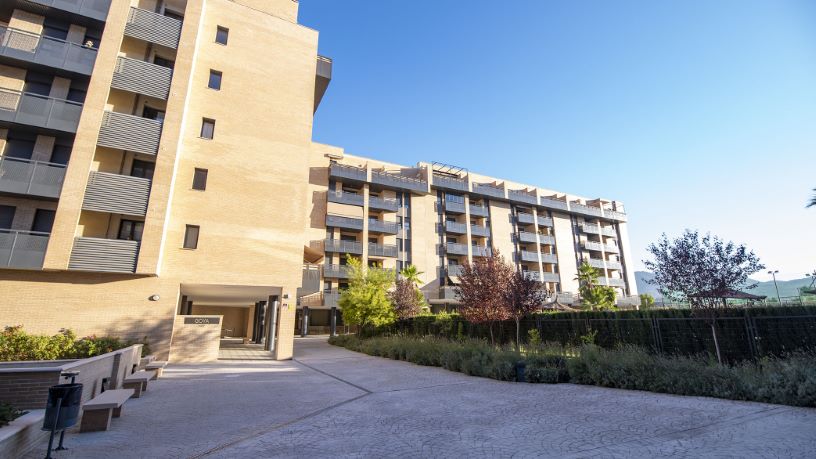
(695, 114)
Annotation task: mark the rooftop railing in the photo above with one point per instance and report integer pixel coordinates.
(586, 210)
(398, 181)
(48, 51)
(488, 189)
(521, 196)
(451, 183)
(552, 203)
(33, 178)
(347, 172)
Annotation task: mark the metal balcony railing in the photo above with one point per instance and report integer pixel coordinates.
(549, 258)
(382, 250)
(616, 282)
(448, 293)
(455, 207)
(477, 230)
(547, 240)
(340, 246)
(481, 251)
(611, 248)
(615, 215)
(154, 28)
(597, 229)
(94, 9)
(454, 270)
(47, 51)
(398, 181)
(550, 277)
(33, 178)
(526, 255)
(455, 227)
(451, 183)
(534, 275)
(454, 248)
(116, 194)
(105, 255)
(343, 197)
(131, 133)
(22, 249)
(525, 218)
(489, 190)
(337, 221)
(357, 174)
(521, 196)
(552, 203)
(380, 226)
(613, 264)
(479, 211)
(378, 203)
(590, 245)
(545, 221)
(596, 263)
(586, 210)
(39, 111)
(526, 236)
(336, 271)
(141, 77)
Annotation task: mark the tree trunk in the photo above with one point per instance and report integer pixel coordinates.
(518, 334)
(492, 341)
(716, 342)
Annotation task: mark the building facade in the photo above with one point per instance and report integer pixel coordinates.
(157, 161)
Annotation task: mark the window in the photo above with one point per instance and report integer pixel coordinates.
(215, 80)
(200, 179)
(130, 230)
(174, 15)
(153, 114)
(142, 169)
(167, 63)
(221, 35)
(6, 216)
(191, 237)
(20, 145)
(207, 128)
(43, 220)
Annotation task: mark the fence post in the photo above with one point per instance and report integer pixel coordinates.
(658, 345)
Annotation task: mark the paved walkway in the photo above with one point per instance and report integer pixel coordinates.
(330, 402)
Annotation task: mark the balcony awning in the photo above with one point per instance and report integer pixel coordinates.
(311, 254)
(454, 280)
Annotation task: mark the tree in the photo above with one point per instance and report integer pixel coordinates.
(647, 301)
(594, 295)
(703, 271)
(522, 297)
(366, 301)
(481, 291)
(812, 200)
(406, 297)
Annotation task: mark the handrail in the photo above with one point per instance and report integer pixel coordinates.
(45, 37)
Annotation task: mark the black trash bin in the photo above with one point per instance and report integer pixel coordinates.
(71, 395)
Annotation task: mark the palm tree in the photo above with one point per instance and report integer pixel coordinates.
(587, 276)
(411, 274)
(812, 200)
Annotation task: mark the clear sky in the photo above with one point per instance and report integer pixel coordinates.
(698, 114)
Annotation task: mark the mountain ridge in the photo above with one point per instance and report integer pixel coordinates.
(764, 288)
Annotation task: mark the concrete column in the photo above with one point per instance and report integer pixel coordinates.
(365, 224)
(304, 323)
(468, 236)
(538, 244)
(60, 87)
(272, 329)
(43, 148)
(333, 321)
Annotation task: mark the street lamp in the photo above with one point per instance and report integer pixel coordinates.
(774, 273)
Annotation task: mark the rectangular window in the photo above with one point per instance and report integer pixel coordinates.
(191, 237)
(207, 128)
(221, 35)
(130, 230)
(43, 220)
(6, 216)
(142, 169)
(200, 179)
(215, 80)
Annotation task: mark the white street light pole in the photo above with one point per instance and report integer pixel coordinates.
(774, 273)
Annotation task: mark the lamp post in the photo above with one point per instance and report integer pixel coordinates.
(774, 273)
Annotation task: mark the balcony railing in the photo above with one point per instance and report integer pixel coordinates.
(611, 248)
(455, 207)
(40, 111)
(489, 190)
(545, 221)
(378, 203)
(116, 194)
(525, 218)
(448, 293)
(455, 227)
(105, 255)
(94, 9)
(398, 181)
(549, 258)
(142, 77)
(454, 248)
(526, 236)
(597, 229)
(550, 277)
(381, 250)
(552, 203)
(616, 282)
(481, 251)
(343, 197)
(590, 245)
(529, 256)
(615, 215)
(33, 178)
(357, 174)
(22, 249)
(544, 239)
(596, 263)
(533, 275)
(131, 133)
(454, 270)
(479, 211)
(521, 196)
(613, 265)
(586, 210)
(154, 28)
(477, 230)
(336, 271)
(51, 52)
(340, 246)
(337, 221)
(451, 183)
(380, 226)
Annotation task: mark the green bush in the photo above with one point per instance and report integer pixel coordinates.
(17, 345)
(8, 413)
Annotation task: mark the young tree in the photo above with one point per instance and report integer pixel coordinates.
(406, 297)
(703, 271)
(522, 297)
(593, 295)
(647, 301)
(365, 302)
(481, 291)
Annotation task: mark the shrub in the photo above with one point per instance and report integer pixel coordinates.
(8, 413)
(17, 345)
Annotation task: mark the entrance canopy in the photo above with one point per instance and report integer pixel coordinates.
(228, 295)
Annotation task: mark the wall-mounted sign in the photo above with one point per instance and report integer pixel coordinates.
(202, 320)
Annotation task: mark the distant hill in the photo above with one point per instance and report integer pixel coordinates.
(786, 288)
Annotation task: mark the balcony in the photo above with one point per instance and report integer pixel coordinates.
(341, 246)
(550, 277)
(596, 263)
(116, 194)
(613, 264)
(448, 293)
(525, 218)
(131, 133)
(481, 251)
(336, 221)
(476, 230)
(597, 229)
(586, 210)
(342, 197)
(323, 75)
(399, 181)
(454, 248)
(380, 226)
(614, 215)
(455, 227)
(37, 49)
(141, 77)
(32, 178)
(153, 28)
(551, 203)
(94, 9)
(336, 271)
(105, 255)
(488, 189)
(331, 298)
(22, 249)
(545, 221)
(590, 245)
(526, 236)
(382, 250)
(387, 204)
(532, 275)
(616, 282)
(454, 270)
(357, 174)
(611, 248)
(526, 255)
(39, 111)
(549, 258)
(479, 211)
(547, 240)
(522, 196)
(454, 206)
(449, 182)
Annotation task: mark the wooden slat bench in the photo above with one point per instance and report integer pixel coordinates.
(97, 412)
(157, 366)
(138, 382)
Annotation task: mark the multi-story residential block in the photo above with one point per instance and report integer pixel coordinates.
(156, 162)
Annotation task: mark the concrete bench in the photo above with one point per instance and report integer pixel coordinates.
(145, 360)
(96, 413)
(138, 382)
(157, 366)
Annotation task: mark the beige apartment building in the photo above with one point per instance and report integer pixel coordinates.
(157, 164)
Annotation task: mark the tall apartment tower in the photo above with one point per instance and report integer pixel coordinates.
(154, 163)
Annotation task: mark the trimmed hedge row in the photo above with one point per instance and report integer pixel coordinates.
(17, 345)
